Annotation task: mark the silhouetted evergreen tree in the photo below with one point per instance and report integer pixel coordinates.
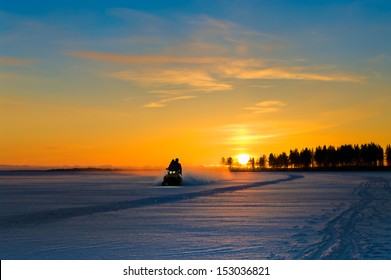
(357, 155)
(380, 156)
(229, 162)
(371, 154)
(306, 157)
(320, 156)
(365, 155)
(262, 162)
(345, 155)
(294, 158)
(272, 161)
(388, 155)
(251, 163)
(331, 158)
(283, 160)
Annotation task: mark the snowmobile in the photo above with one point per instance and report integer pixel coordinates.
(172, 178)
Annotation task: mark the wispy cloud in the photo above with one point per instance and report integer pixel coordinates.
(163, 102)
(172, 82)
(234, 39)
(170, 92)
(195, 80)
(284, 73)
(268, 106)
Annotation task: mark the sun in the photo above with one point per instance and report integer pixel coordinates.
(243, 158)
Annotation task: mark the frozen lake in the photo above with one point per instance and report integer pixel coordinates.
(214, 215)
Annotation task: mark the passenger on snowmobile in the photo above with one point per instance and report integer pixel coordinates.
(174, 173)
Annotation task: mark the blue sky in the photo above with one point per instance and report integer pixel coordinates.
(328, 30)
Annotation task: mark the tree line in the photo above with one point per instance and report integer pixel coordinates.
(370, 156)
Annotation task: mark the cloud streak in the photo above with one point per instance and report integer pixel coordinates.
(244, 69)
(195, 80)
(163, 102)
(172, 82)
(284, 73)
(268, 106)
(143, 59)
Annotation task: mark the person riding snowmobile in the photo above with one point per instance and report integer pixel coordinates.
(174, 174)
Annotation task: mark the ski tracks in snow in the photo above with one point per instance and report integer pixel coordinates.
(354, 232)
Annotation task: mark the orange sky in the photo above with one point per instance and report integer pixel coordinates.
(218, 86)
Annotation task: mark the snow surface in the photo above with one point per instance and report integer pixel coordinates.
(214, 215)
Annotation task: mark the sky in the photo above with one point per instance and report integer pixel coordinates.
(137, 83)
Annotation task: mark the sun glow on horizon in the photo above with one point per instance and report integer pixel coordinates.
(243, 158)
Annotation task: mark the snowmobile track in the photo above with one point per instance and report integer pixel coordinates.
(50, 216)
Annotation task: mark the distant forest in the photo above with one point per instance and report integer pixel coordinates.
(346, 157)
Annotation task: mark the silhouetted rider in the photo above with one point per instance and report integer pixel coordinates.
(175, 166)
(178, 166)
(171, 166)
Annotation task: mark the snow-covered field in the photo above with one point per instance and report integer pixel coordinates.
(214, 215)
